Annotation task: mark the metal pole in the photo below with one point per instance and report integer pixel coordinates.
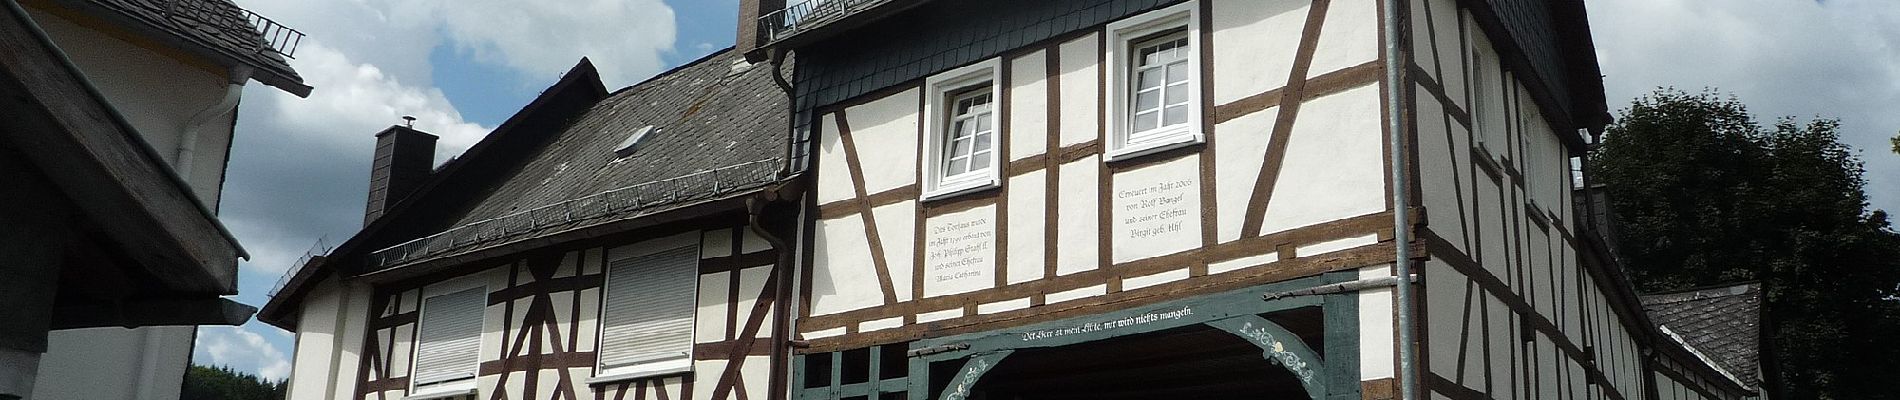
(1401, 207)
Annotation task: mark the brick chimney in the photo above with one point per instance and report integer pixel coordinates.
(404, 157)
(749, 13)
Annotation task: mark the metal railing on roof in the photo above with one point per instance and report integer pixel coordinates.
(795, 18)
(237, 24)
(698, 185)
(281, 39)
(320, 248)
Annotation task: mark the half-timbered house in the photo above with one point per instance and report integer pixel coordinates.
(1206, 199)
(1323, 199)
(597, 245)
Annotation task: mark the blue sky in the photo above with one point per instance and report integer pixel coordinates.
(299, 166)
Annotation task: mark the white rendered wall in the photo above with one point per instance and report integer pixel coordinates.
(157, 89)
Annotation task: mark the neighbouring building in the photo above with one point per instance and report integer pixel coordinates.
(118, 120)
(622, 245)
(1023, 200)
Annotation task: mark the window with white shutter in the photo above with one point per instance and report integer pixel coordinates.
(647, 320)
(449, 341)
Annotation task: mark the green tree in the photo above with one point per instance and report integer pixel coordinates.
(1704, 195)
(223, 383)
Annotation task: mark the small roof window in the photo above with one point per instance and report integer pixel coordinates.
(633, 141)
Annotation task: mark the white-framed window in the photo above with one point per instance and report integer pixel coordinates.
(448, 341)
(646, 318)
(963, 108)
(1155, 87)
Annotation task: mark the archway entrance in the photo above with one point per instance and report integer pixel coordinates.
(1191, 362)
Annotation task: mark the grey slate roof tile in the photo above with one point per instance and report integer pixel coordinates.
(1722, 323)
(707, 115)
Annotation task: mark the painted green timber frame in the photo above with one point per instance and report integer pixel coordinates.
(1334, 376)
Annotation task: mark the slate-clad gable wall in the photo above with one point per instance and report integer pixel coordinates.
(894, 50)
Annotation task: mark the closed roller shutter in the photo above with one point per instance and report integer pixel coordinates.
(451, 336)
(649, 310)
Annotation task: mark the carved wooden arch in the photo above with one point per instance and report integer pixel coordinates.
(1236, 313)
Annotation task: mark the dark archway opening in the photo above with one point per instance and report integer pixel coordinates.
(1193, 362)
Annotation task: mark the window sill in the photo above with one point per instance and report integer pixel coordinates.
(1127, 152)
(627, 376)
(446, 394)
(953, 190)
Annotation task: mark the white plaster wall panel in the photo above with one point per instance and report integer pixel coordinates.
(1440, 173)
(350, 333)
(1072, 294)
(556, 338)
(485, 383)
(709, 322)
(1001, 306)
(492, 316)
(939, 315)
(843, 278)
(1445, 306)
(569, 266)
(1237, 162)
(1242, 263)
(1078, 62)
(1543, 278)
(751, 286)
(1349, 37)
(1451, 50)
(1503, 346)
(1155, 210)
(401, 347)
(410, 300)
(751, 242)
(1028, 130)
(885, 132)
(715, 243)
(880, 324)
(315, 350)
(897, 229)
(1076, 226)
(1491, 228)
(1026, 227)
(1336, 245)
(156, 93)
(1376, 328)
(1421, 50)
(834, 177)
(960, 252)
(1334, 165)
(758, 377)
(1137, 282)
(588, 333)
(706, 376)
(1254, 44)
(823, 333)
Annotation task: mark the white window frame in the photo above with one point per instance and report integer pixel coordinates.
(420, 390)
(651, 368)
(1122, 37)
(939, 90)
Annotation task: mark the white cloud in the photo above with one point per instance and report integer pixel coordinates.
(1836, 58)
(242, 350)
(624, 38)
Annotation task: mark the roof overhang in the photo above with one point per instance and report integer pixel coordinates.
(59, 122)
(272, 75)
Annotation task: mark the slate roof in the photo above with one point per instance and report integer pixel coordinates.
(1722, 323)
(214, 28)
(719, 128)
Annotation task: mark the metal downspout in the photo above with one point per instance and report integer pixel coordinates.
(188, 138)
(1401, 204)
(755, 209)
